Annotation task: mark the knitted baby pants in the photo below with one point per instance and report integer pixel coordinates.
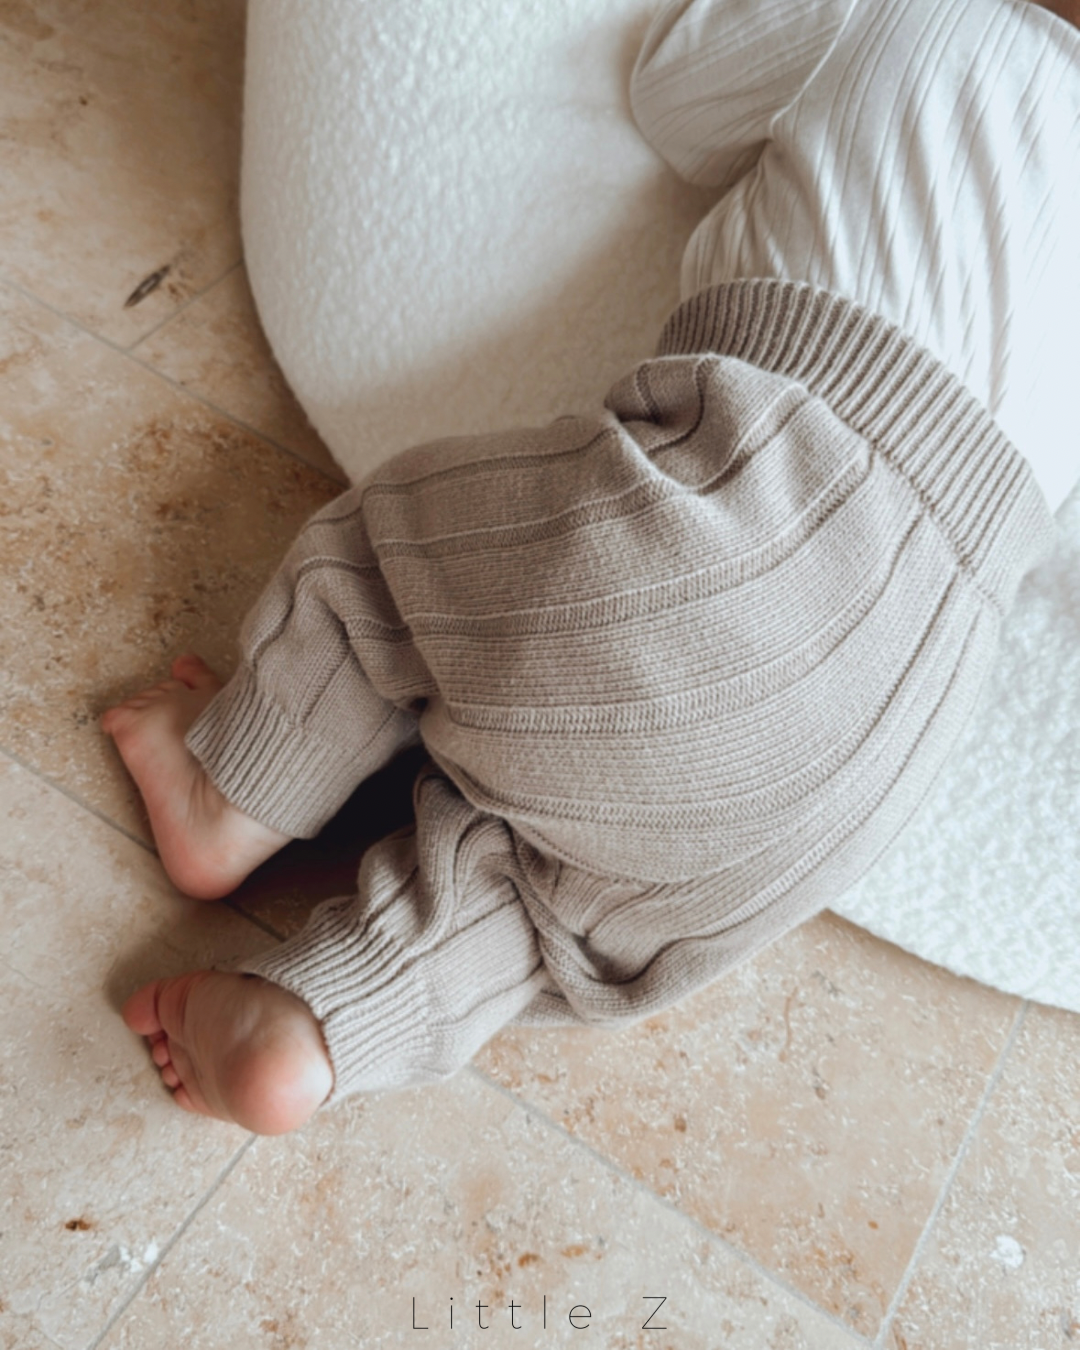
(683, 669)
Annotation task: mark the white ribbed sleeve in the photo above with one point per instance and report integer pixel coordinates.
(711, 80)
(921, 157)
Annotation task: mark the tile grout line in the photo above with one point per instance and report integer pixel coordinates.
(262, 924)
(947, 1185)
(609, 1165)
(153, 1268)
(122, 830)
(183, 306)
(74, 797)
(342, 484)
(530, 1109)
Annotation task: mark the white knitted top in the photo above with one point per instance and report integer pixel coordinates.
(921, 157)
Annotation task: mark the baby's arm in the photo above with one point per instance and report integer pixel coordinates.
(713, 75)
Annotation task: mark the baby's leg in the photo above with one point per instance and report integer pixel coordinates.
(206, 845)
(235, 1047)
(230, 773)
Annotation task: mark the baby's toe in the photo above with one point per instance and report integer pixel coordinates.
(140, 1012)
(182, 1098)
(194, 673)
(115, 718)
(127, 714)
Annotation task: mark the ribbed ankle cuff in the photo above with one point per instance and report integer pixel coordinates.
(369, 1000)
(434, 954)
(274, 771)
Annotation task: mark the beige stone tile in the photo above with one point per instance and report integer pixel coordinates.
(807, 1107)
(134, 524)
(451, 1192)
(18, 1337)
(217, 349)
(100, 1168)
(119, 153)
(1002, 1268)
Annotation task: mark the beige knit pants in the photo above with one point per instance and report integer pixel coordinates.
(684, 669)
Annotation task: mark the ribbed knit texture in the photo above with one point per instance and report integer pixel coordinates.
(684, 669)
(919, 156)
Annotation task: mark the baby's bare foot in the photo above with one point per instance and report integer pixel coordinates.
(207, 845)
(236, 1047)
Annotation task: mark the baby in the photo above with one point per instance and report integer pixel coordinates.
(683, 669)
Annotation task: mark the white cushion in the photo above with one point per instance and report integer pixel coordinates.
(452, 225)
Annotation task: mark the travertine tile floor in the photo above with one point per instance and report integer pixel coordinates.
(838, 1146)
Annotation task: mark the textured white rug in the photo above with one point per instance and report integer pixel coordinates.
(986, 879)
(455, 190)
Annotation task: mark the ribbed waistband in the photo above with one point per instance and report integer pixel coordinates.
(907, 405)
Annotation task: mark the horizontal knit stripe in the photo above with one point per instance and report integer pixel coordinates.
(642, 601)
(718, 539)
(606, 484)
(691, 678)
(754, 623)
(425, 468)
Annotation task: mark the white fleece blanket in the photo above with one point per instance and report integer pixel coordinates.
(452, 225)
